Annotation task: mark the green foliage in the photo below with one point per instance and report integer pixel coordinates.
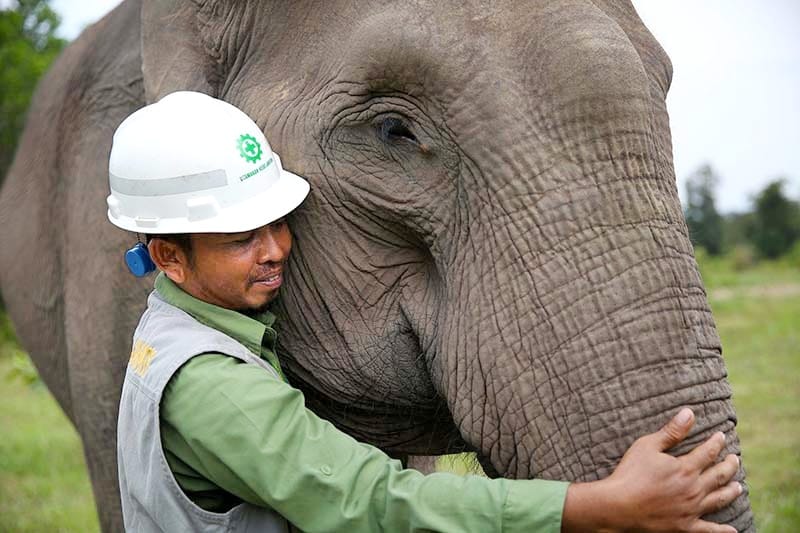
(792, 257)
(22, 370)
(736, 230)
(7, 337)
(776, 221)
(769, 231)
(28, 46)
(705, 223)
(20, 367)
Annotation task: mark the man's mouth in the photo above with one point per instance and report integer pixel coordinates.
(272, 281)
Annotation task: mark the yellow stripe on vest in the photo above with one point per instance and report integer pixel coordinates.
(141, 356)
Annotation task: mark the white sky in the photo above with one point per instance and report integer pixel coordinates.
(735, 96)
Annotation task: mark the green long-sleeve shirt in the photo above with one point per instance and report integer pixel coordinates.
(231, 432)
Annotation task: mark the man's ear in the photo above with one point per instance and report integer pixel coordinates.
(169, 258)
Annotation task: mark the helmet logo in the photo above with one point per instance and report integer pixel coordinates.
(249, 148)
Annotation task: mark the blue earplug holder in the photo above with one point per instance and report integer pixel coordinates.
(138, 260)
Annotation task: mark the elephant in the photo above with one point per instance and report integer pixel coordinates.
(493, 257)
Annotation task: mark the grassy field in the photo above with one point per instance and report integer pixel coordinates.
(43, 481)
(44, 486)
(758, 317)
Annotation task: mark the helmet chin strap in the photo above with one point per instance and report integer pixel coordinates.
(138, 260)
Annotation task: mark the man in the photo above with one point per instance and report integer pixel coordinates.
(210, 435)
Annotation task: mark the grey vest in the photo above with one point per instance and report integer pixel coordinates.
(165, 339)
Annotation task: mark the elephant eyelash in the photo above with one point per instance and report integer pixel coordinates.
(393, 129)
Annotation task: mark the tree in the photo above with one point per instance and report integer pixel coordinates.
(28, 46)
(736, 230)
(776, 221)
(705, 223)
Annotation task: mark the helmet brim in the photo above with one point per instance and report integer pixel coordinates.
(282, 197)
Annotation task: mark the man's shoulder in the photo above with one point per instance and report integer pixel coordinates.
(198, 378)
(171, 329)
(206, 365)
(211, 372)
(211, 380)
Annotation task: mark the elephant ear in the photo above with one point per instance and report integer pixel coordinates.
(179, 51)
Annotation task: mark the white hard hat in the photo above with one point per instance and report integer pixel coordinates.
(193, 164)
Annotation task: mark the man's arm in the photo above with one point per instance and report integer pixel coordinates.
(251, 435)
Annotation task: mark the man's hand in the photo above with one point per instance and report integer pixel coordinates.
(653, 491)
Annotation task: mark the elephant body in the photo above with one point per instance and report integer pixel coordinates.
(493, 256)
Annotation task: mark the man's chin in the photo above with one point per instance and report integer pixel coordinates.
(259, 305)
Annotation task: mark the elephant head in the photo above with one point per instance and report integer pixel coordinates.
(493, 256)
(494, 250)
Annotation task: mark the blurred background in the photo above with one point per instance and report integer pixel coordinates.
(734, 111)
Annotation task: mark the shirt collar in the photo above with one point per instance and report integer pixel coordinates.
(245, 329)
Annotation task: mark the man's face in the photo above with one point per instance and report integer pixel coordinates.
(239, 271)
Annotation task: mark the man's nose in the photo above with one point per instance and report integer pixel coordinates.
(271, 246)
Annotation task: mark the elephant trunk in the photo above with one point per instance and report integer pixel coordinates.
(574, 319)
(576, 337)
(575, 326)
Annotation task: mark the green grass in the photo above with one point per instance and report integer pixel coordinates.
(44, 486)
(761, 345)
(740, 269)
(43, 481)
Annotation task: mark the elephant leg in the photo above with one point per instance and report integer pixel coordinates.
(102, 302)
(101, 462)
(100, 318)
(102, 307)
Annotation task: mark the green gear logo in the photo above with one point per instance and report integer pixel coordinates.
(249, 148)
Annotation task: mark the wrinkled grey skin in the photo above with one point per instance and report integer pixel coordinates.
(512, 274)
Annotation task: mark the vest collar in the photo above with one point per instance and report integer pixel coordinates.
(242, 328)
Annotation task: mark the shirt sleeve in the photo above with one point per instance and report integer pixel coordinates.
(251, 435)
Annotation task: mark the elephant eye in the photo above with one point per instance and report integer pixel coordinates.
(394, 129)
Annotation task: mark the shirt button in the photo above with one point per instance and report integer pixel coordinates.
(326, 470)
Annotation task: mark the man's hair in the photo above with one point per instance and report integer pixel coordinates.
(181, 240)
